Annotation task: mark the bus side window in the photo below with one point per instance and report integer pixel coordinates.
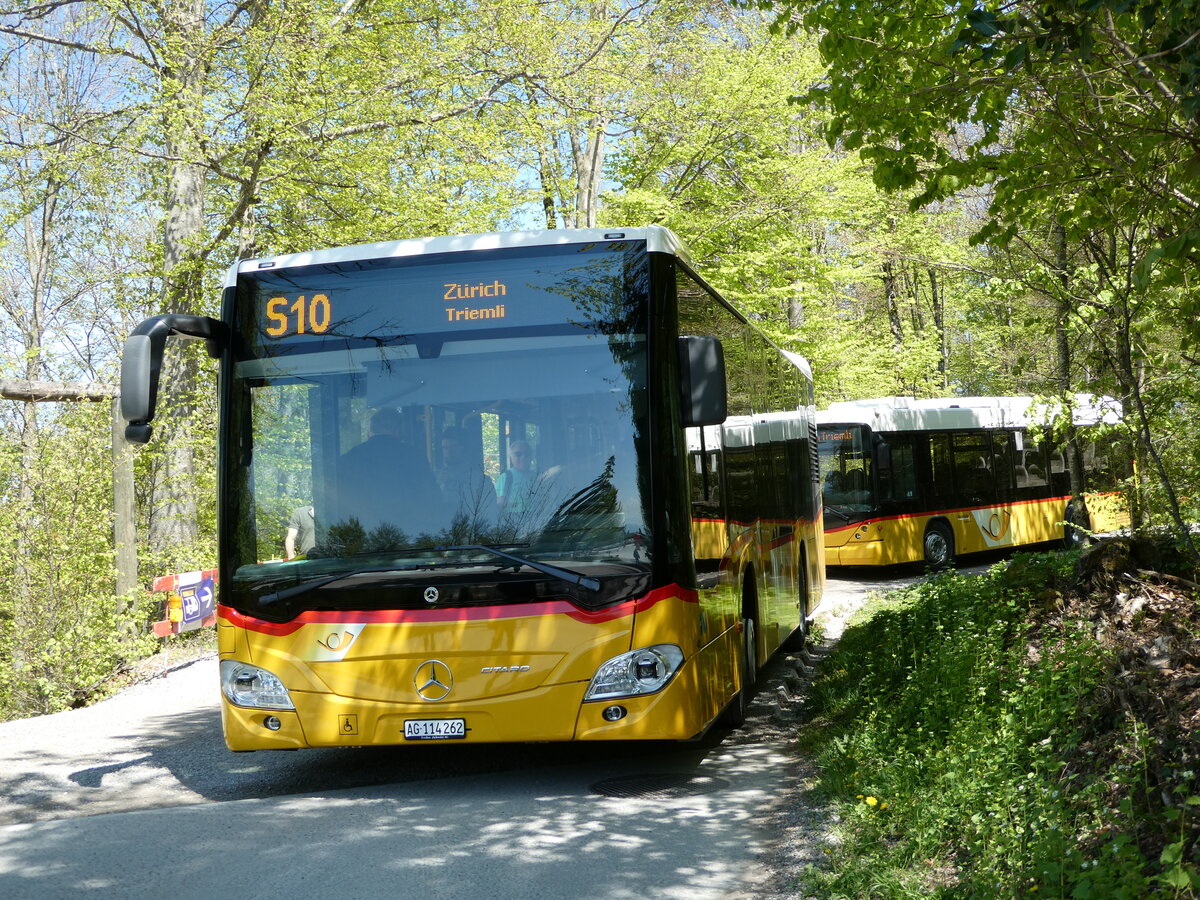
(1101, 463)
(1002, 465)
(1029, 468)
(972, 468)
(897, 469)
(1058, 472)
(704, 476)
(941, 469)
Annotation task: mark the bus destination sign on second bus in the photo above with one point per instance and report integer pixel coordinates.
(458, 291)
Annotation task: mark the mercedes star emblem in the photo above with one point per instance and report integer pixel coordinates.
(433, 680)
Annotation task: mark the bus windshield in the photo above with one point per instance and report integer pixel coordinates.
(846, 471)
(405, 420)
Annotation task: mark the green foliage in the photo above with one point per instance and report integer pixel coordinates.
(314, 124)
(1013, 87)
(961, 733)
(881, 300)
(1098, 200)
(62, 629)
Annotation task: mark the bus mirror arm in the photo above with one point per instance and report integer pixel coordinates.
(703, 399)
(141, 364)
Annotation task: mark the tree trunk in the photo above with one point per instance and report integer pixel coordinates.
(587, 149)
(795, 310)
(546, 175)
(173, 516)
(38, 231)
(1131, 381)
(1062, 342)
(124, 518)
(939, 326)
(890, 291)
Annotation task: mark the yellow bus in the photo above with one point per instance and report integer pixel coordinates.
(541, 486)
(909, 480)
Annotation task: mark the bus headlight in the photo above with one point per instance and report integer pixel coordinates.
(639, 672)
(247, 685)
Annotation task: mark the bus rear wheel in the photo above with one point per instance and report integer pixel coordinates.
(939, 546)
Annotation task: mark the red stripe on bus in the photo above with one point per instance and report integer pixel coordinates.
(942, 512)
(459, 614)
(781, 541)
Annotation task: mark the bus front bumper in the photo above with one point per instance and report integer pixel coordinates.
(550, 713)
(857, 545)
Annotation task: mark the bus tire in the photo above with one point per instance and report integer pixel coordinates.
(739, 709)
(795, 641)
(938, 546)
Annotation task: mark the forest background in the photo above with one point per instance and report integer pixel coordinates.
(924, 200)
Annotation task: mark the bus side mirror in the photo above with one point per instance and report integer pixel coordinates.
(703, 398)
(141, 363)
(883, 456)
(135, 379)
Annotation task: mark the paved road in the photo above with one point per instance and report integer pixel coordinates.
(138, 797)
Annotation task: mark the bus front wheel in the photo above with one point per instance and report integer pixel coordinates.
(939, 546)
(735, 714)
(799, 637)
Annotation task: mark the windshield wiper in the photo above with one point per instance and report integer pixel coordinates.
(837, 512)
(558, 572)
(311, 585)
(304, 587)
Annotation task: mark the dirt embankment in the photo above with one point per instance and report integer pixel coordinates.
(1143, 600)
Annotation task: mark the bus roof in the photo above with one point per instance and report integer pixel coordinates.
(657, 238)
(949, 413)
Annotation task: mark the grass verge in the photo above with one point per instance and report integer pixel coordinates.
(1028, 733)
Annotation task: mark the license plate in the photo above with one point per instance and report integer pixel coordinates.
(435, 729)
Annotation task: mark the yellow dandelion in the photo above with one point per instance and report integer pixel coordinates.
(883, 805)
(858, 796)
(871, 801)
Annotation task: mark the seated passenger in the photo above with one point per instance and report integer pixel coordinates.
(466, 490)
(514, 487)
(385, 483)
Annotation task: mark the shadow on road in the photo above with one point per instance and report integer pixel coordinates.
(191, 748)
(540, 832)
(68, 765)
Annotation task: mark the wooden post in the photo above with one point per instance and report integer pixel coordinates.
(124, 533)
(124, 527)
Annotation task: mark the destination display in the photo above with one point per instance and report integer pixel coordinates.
(383, 300)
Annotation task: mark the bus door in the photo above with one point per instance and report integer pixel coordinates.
(983, 484)
(896, 474)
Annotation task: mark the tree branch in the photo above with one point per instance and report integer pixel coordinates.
(12, 389)
(74, 45)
